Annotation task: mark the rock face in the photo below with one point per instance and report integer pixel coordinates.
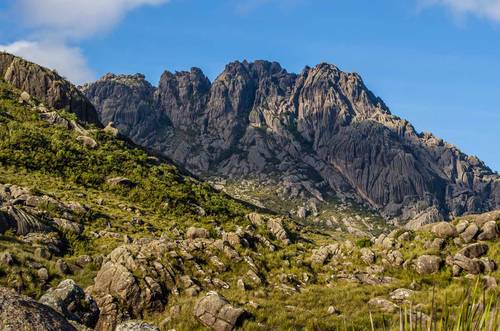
(216, 313)
(315, 134)
(47, 86)
(18, 312)
(71, 301)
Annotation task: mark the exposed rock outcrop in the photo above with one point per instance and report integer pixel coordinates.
(47, 86)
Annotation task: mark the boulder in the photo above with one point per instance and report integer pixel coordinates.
(367, 255)
(469, 233)
(401, 294)
(121, 181)
(19, 312)
(489, 231)
(383, 305)
(72, 302)
(122, 295)
(428, 264)
(278, 230)
(136, 325)
(195, 233)
(444, 230)
(472, 266)
(215, 312)
(87, 141)
(68, 226)
(474, 250)
(322, 254)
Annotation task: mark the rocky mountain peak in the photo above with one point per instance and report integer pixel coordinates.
(318, 134)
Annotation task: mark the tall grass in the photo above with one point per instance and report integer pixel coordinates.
(478, 311)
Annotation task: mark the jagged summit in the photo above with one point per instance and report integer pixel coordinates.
(309, 136)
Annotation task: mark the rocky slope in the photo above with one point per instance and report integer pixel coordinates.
(47, 86)
(310, 136)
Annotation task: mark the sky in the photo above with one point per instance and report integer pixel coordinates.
(435, 63)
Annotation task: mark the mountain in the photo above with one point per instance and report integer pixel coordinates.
(98, 234)
(309, 138)
(46, 85)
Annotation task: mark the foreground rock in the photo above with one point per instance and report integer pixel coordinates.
(428, 264)
(21, 313)
(71, 301)
(215, 312)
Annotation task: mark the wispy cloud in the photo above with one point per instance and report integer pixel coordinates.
(68, 61)
(488, 9)
(55, 24)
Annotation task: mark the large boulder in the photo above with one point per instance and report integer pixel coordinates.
(474, 250)
(134, 279)
(444, 230)
(276, 227)
(428, 264)
(19, 312)
(71, 301)
(489, 231)
(215, 312)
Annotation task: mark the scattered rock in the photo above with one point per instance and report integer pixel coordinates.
(276, 227)
(215, 312)
(71, 301)
(121, 181)
(472, 266)
(367, 255)
(469, 233)
(43, 274)
(332, 311)
(401, 294)
(474, 250)
(383, 304)
(195, 233)
(6, 259)
(444, 230)
(428, 264)
(87, 141)
(489, 231)
(111, 129)
(62, 267)
(136, 326)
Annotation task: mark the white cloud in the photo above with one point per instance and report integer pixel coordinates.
(55, 24)
(489, 9)
(77, 18)
(68, 61)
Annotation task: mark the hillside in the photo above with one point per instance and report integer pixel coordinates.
(95, 233)
(297, 143)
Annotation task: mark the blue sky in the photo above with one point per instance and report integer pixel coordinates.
(434, 62)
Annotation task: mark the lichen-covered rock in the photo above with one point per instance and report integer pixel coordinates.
(367, 255)
(276, 227)
(474, 250)
(383, 304)
(322, 254)
(489, 231)
(19, 312)
(215, 312)
(133, 279)
(195, 233)
(72, 302)
(469, 233)
(444, 230)
(428, 264)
